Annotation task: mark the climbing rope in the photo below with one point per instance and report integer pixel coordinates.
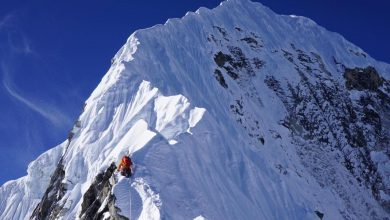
(130, 202)
(131, 170)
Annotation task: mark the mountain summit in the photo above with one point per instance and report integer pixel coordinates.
(229, 113)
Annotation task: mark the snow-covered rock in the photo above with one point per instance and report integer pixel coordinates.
(229, 113)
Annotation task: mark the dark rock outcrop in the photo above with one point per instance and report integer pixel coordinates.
(49, 208)
(362, 78)
(219, 77)
(322, 113)
(98, 199)
(319, 214)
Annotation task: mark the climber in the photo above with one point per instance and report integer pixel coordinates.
(125, 166)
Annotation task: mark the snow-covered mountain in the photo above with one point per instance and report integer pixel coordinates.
(229, 113)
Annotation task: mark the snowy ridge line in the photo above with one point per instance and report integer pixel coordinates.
(139, 120)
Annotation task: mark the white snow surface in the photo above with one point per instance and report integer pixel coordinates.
(136, 200)
(160, 102)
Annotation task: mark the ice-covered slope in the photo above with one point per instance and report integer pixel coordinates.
(230, 113)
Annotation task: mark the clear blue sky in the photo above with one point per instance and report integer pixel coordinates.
(54, 53)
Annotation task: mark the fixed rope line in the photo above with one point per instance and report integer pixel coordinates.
(130, 194)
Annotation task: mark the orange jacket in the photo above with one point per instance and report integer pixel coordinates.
(125, 163)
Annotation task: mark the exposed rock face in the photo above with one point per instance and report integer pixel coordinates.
(241, 69)
(320, 111)
(362, 78)
(99, 200)
(323, 113)
(49, 208)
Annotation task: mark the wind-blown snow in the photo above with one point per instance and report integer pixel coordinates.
(200, 153)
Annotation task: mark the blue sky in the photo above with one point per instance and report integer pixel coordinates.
(54, 53)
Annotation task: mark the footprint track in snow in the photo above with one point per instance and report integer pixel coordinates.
(135, 198)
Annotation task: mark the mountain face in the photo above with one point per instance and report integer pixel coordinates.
(229, 113)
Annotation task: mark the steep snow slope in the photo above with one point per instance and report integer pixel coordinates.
(230, 113)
